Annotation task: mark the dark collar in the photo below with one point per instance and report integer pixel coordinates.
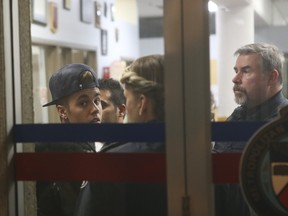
(264, 111)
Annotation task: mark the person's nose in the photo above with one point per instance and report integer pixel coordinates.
(96, 108)
(237, 78)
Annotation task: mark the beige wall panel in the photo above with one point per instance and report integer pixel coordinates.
(26, 94)
(3, 134)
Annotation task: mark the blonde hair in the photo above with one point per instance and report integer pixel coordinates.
(146, 76)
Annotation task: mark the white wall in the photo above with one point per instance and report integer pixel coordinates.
(71, 31)
(277, 35)
(149, 46)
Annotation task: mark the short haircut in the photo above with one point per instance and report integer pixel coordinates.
(271, 57)
(116, 89)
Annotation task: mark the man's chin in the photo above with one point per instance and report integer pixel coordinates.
(240, 100)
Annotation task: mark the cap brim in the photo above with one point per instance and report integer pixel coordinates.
(49, 104)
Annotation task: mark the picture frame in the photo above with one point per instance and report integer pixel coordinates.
(86, 11)
(53, 16)
(67, 4)
(116, 34)
(112, 12)
(105, 9)
(97, 7)
(39, 12)
(104, 42)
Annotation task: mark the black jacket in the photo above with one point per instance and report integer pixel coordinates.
(59, 198)
(263, 112)
(228, 198)
(124, 199)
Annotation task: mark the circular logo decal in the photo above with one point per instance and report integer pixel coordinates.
(264, 168)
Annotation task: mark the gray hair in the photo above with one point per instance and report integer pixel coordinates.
(271, 57)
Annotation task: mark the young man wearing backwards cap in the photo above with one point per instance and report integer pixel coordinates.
(75, 93)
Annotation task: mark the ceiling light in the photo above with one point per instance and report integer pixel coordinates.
(212, 7)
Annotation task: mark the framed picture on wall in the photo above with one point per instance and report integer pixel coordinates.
(53, 16)
(86, 11)
(105, 9)
(112, 12)
(67, 4)
(97, 14)
(116, 34)
(39, 11)
(104, 42)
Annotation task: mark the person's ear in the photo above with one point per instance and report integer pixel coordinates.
(62, 112)
(143, 103)
(274, 75)
(122, 110)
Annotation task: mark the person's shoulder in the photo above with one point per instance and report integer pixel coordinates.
(108, 146)
(284, 102)
(281, 99)
(236, 114)
(134, 147)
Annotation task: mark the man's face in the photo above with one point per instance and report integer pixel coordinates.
(251, 84)
(109, 111)
(83, 107)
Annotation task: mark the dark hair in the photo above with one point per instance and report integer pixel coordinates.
(146, 76)
(114, 86)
